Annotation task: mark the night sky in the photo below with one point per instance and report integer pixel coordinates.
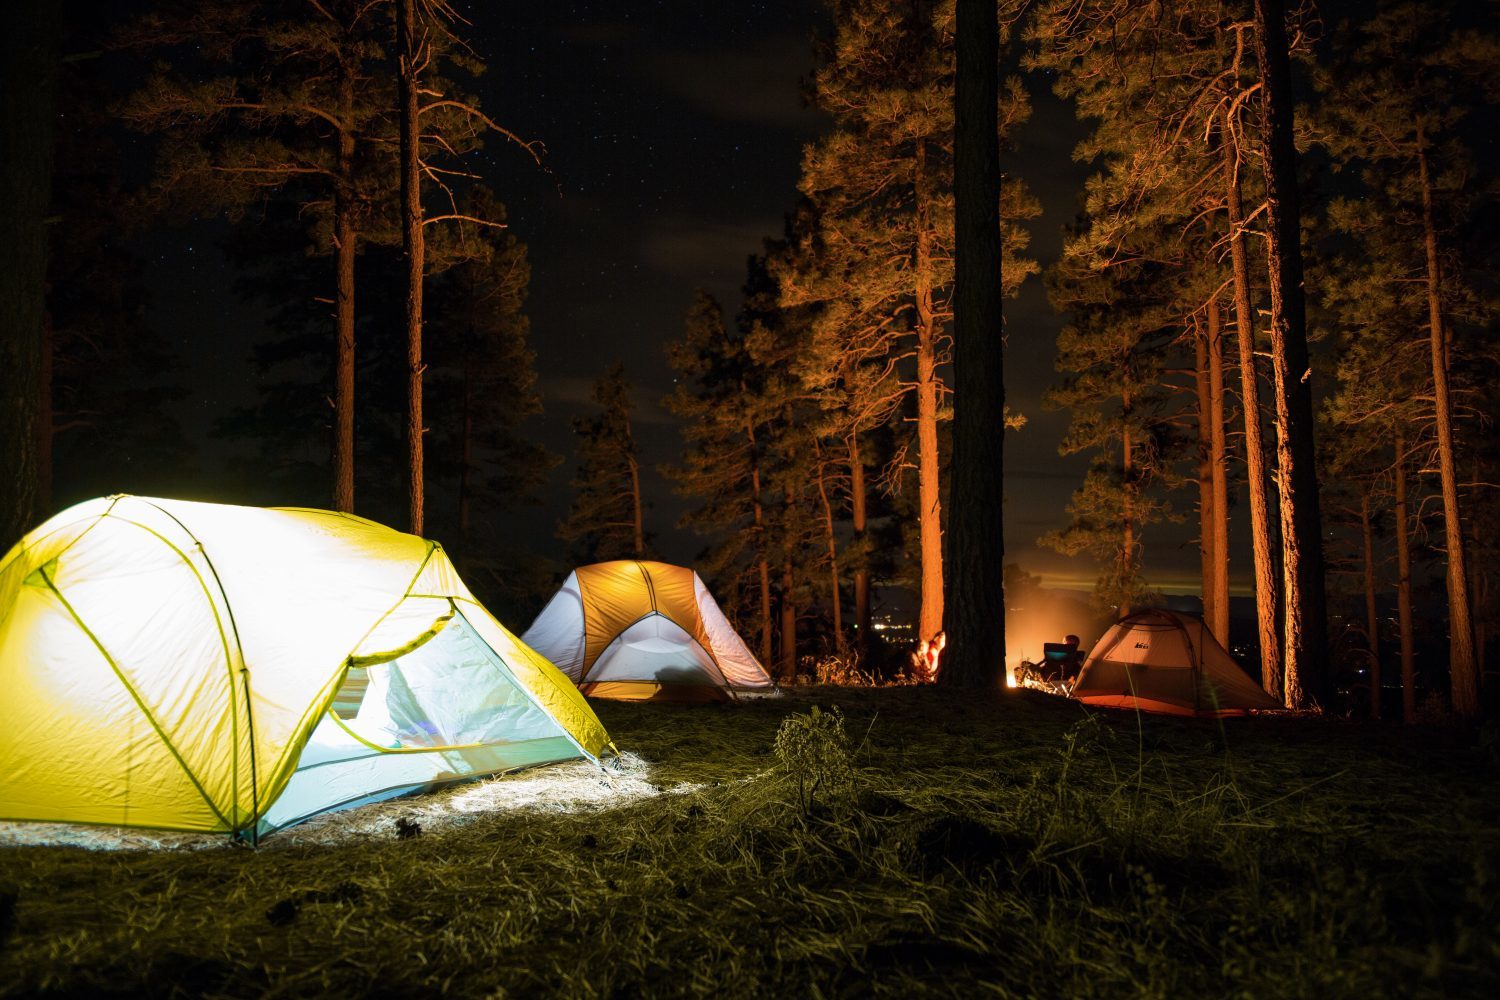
(674, 134)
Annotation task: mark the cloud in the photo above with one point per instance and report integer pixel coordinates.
(576, 394)
(759, 82)
(693, 247)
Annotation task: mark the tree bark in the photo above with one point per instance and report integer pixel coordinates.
(975, 654)
(1127, 508)
(1207, 556)
(46, 419)
(466, 443)
(1218, 458)
(929, 513)
(1463, 680)
(1403, 590)
(345, 247)
(788, 624)
(30, 60)
(859, 516)
(1372, 619)
(1267, 587)
(764, 567)
(1478, 589)
(408, 55)
(1304, 623)
(637, 515)
(830, 538)
(762, 564)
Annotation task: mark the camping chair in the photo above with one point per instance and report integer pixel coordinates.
(1057, 670)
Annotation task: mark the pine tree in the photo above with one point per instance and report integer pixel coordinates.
(1396, 108)
(30, 63)
(107, 376)
(1378, 421)
(1168, 91)
(607, 518)
(1213, 467)
(975, 604)
(484, 387)
(844, 366)
(437, 124)
(886, 72)
(719, 402)
(412, 56)
(1138, 279)
(882, 187)
(1267, 579)
(257, 101)
(795, 450)
(1113, 352)
(1305, 619)
(1359, 431)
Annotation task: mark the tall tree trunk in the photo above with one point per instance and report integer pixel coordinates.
(764, 568)
(46, 419)
(1218, 458)
(410, 53)
(1403, 590)
(762, 564)
(637, 514)
(929, 514)
(1207, 557)
(30, 59)
(830, 538)
(345, 247)
(1372, 618)
(1267, 586)
(859, 516)
(1304, 623)
(788, 624)
(975, 655)
(1478, 586)
(1464, 682)
(466, 443)
(1127, 506)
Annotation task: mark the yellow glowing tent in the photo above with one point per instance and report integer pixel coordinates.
(644, 631)
(178, 665)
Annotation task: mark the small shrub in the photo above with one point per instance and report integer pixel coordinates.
(844, 669)
(814, 752)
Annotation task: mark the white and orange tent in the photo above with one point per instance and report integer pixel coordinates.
(203, 667)
(1167, 662)
(644, 631)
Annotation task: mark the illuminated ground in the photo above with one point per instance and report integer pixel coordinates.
(1006, 848)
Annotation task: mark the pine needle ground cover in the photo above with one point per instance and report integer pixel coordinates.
(831, 843)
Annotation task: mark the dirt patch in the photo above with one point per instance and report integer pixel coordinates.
(576, 786)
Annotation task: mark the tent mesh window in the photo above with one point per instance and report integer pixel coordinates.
(450, 692)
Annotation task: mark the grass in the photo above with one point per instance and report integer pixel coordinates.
(1007, 847)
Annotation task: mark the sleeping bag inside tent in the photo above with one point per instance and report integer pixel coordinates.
(1164, 661)
(203, 667)
(644, 631)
